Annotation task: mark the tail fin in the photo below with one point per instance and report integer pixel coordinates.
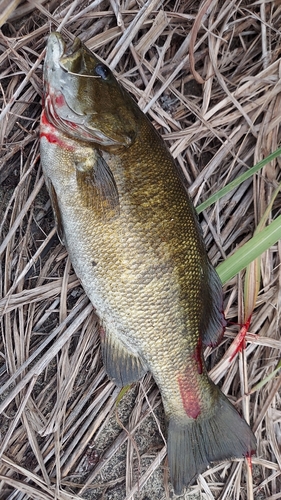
(193, 444)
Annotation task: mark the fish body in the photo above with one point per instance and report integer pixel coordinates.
(135, 243)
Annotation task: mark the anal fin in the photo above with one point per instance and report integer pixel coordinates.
(122, 366)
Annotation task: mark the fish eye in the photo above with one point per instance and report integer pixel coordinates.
(102, 71)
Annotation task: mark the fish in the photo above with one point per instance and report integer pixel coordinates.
(135, 242)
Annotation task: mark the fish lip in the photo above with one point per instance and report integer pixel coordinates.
(56, 48)
(57, 52)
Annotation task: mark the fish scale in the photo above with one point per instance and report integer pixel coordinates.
(134, 240)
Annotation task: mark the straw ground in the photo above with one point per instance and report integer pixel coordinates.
(208, 76)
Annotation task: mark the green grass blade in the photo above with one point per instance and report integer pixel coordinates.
(122, 393)
(252, 277)
(236, 182)
(250, 251)
(266, 379)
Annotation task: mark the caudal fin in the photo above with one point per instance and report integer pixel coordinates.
(194, 444)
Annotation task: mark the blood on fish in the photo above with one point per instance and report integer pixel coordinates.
(190, 393)
(71, 125)
(59, 100)
(44, 120)
(50, 132)
(197, 355)
(54, 139)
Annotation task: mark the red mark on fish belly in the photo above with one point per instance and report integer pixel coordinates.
(189, 391)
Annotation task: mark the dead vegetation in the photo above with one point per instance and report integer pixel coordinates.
(208, 75)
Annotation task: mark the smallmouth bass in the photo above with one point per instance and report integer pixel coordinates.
(134, 240)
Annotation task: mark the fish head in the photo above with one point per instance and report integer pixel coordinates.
(83, 98)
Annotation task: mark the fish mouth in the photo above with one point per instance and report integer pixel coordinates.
(71, 52)
(62, 56)
(56, 49)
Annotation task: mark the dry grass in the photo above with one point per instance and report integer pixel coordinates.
(219, 110)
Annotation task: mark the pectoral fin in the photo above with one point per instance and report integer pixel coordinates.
(121, 365)
(97, 185)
